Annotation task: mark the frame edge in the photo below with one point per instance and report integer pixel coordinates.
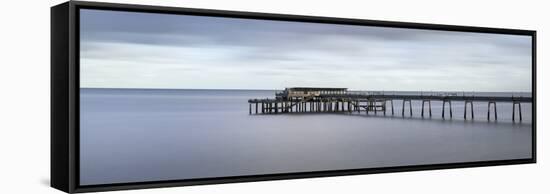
(59, 128)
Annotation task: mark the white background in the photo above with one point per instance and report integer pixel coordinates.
(25, 96)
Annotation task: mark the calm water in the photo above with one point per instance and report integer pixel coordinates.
(132, 135)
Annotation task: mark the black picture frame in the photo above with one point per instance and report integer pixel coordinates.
(65, 95)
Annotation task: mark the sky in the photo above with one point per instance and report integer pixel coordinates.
(146, 50)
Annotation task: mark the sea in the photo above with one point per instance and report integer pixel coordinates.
(139, 135)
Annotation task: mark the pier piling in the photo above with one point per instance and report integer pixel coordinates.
(403, 108)
(471, 108)
(429, 107)
(489, 110)
(450, 109)
(514, 111)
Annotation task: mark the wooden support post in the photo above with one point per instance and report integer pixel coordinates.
(295, 107)
(256, 107)
(429, 107)
(519, 106)
(374, 106)
(514, 110)
(496, 113)
(489, 110)
(422, 112)
(290, 106)
(450, 109)
(391, 102)
(403, 108)
(368, 106)
(318, 106)
(465, 103)
(276, 107)
(471, 108)
(410, 107)
(249, 108)
(263, 108)
(384, 104)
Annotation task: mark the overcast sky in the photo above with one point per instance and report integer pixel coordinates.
(145, 50)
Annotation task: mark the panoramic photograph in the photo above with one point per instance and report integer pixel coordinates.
(179, 97)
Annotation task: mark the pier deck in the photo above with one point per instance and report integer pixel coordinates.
(319, 100)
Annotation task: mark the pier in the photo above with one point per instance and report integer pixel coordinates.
(331, 100)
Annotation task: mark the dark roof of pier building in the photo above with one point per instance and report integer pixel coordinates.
(315, 89)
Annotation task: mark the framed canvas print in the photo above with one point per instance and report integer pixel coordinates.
(147, 96)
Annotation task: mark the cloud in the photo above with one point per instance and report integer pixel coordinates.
(213, 52)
